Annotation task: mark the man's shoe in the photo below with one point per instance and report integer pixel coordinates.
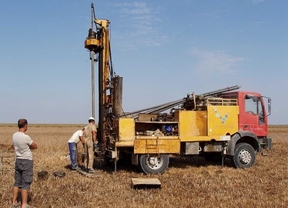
(91, 171)
(18, 205)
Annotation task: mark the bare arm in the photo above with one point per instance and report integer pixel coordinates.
(33, 146)
(82, 139)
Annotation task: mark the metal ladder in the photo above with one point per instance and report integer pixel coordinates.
(152, 148)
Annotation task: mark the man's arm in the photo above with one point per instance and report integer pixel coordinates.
(94, 133)
(82, 139)
(33, 145)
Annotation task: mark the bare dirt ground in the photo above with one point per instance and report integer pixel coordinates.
(184, 184)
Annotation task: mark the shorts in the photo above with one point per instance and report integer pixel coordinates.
(23, 173)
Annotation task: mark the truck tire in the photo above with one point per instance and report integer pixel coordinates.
(244, 156)
(153, 164)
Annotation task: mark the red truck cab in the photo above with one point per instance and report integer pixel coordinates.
(253, 116)
(253, 111)
(252, 133)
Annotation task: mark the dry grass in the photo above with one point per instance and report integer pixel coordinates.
(184, 184)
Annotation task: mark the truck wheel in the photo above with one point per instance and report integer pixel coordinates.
(154, 163)
(244, 156)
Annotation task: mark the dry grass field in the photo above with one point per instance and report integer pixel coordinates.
(184, 184)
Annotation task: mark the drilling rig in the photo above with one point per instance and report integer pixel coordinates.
(224, 123)
(109, 84)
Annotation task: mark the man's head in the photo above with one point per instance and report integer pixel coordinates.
(22, 123)
(91, 120)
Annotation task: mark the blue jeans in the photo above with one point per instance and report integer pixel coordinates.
(73, 154)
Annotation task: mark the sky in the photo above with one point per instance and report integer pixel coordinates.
(162, 49)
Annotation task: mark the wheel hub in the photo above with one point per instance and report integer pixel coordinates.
(245, 157)
(154, 162)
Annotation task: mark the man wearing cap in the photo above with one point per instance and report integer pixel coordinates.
(90, 141)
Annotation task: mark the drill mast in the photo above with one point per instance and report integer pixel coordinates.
(109, 85)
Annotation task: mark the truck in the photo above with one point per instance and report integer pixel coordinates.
(220, 124)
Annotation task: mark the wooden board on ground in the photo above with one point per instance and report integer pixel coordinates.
(146, 183)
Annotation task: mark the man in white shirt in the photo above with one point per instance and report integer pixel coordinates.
(72, 144)
(23, 145)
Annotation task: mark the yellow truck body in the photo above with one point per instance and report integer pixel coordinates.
(214, 123)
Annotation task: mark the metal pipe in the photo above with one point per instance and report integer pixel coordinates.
(117, 95)
(92, 54)
(154, 107)
(92, 83)
(216, 92)
(166, 106)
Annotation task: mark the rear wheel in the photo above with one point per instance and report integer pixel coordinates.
(244, 156)
(154, 163)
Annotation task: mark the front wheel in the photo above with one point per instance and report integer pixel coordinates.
(244, 156)
(154, 163)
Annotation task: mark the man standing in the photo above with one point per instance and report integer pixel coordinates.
(72, 144)
(91, 142)
(23, 163)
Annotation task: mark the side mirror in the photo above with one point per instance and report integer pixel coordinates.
(268, 105)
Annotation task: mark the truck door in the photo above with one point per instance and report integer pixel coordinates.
(254, 117)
